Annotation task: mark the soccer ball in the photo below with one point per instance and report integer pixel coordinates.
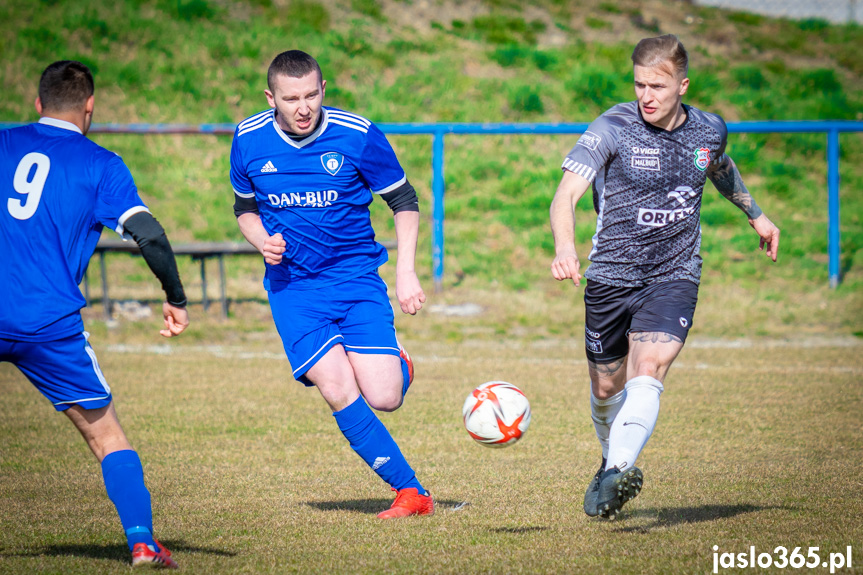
(496, 414)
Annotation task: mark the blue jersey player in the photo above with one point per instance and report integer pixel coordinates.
(57, 190)
(648, 161)
(303, 178)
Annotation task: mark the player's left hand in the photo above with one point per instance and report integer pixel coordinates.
(409, 292)
(176, 320)
(769, 234)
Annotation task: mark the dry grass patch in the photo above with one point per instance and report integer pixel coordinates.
(249, 474)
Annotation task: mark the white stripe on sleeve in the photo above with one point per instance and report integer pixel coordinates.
(121, 221)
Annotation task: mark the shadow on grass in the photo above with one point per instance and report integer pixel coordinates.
(374, 505)
(667, 517)
(117, 552)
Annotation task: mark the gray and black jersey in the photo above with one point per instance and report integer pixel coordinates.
(647, 186)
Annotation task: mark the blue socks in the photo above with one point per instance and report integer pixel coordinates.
(124, 482)
(371, 440)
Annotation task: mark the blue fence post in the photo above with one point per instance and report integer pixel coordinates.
(437, 209)
(833, 205)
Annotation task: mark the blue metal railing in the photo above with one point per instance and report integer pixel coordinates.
(439, 131)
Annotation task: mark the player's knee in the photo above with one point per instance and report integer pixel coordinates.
(385, 401)
(605, 388)
(651, 368)
(645, 381)
(384, 397)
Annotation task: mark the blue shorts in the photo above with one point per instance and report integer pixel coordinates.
(64, 370)
(356, 314)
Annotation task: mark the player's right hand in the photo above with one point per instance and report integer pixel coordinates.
(176, 320)
(273, 248)
(566, 265)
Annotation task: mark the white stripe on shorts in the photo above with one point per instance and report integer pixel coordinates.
(96, 367)
(395, 349)
(82, 400)
(314, 355)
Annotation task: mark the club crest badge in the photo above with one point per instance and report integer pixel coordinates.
(332, 162)
(702, 158)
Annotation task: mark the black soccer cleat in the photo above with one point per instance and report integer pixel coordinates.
(616, 488)
(592, 494)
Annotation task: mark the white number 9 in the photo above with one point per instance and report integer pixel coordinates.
(23, 210)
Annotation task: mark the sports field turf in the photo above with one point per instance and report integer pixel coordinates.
(759, 443)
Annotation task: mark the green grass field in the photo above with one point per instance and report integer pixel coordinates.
(759, 443)
(760, 439)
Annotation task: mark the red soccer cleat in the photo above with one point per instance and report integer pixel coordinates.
(404, 355)
(143, 554)
(409, 502)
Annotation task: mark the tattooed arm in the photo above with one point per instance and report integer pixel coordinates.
(726, 178)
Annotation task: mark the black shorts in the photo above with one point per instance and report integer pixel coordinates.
(612, 312)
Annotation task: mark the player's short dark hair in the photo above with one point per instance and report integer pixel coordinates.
(65, 85)
(657, 51)
(294, 64)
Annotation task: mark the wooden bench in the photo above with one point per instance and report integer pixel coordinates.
(200, 251)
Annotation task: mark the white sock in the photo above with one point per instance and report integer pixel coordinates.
(603, 412)
(634, 422)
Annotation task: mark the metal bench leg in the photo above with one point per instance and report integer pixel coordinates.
(222, 284)
(204, 301)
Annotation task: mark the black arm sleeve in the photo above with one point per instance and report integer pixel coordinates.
(157, 252)
(245, 206)
(402, 199)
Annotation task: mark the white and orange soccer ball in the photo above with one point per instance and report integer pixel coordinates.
(496, 414)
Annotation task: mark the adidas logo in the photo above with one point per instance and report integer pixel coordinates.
(379, 462)
(268, 168)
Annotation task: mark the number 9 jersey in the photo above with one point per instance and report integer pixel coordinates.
(57, 190)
